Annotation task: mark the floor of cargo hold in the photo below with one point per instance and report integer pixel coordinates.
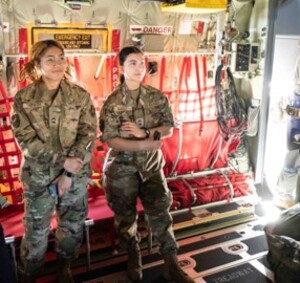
(234, 254)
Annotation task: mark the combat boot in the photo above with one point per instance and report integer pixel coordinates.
(64, 271)
(173, 272)
(134, 267)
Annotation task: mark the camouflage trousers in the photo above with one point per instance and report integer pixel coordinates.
(122, 194)
(71, 212)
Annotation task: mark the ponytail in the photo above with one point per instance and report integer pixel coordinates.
(122, 78)
(29, 71)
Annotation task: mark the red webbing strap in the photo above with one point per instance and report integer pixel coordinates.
(188, 70)
(21, 84)
(204, 67)
(162, 73)
(199, 93)
(178, 96)
(108, 77)
(4, 100)
(115, 40)
(146, 63)
(77, 69)
(23, 41)
(187, 74)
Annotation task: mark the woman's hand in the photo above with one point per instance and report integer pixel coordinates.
(73, 164)
(133, 129)
(63, 183)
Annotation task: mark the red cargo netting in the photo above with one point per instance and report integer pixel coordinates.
(211, 188)
(10, 155)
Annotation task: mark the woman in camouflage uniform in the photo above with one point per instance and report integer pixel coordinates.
(55, 125)
(132, 120)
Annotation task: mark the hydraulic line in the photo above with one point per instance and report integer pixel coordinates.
(179, 148)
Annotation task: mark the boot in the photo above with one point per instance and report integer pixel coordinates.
(64, 272)
(173, 272)
(28, 271)
(134, 267)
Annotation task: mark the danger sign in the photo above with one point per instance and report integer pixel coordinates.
(163, 30)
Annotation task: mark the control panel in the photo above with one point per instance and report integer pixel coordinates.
(245, 57)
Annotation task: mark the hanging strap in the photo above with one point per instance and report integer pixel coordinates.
(199, 93)
(179, 89)
(22, 62)
(146, 63)
(162, 73)
(77, 69)
(204, 68)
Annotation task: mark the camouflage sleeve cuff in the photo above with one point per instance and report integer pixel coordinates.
(77, 153)
(109, 135)
(170, 124)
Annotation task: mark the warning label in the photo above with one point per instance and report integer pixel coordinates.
(74, 41)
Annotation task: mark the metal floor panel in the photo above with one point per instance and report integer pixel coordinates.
(229, 255)
(217, 249)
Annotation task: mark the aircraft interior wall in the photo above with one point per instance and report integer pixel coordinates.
(182, 63)
(210, 63)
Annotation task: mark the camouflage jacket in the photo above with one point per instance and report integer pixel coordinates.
(48, 129)
(152, 109)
